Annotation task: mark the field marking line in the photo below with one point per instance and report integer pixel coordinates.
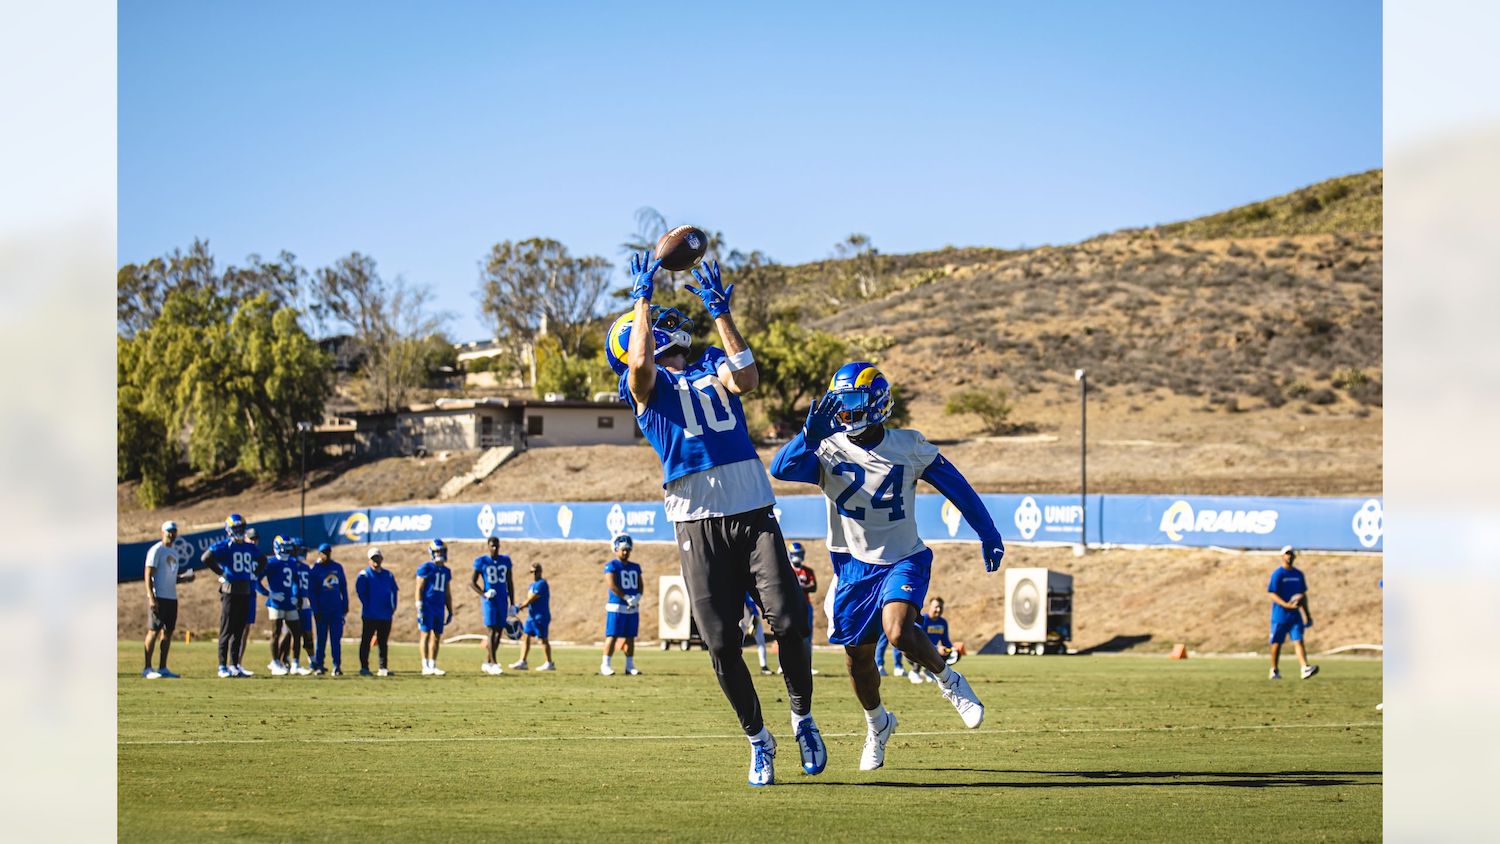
(716, 737)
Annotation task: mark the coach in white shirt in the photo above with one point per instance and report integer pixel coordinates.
(161, 593)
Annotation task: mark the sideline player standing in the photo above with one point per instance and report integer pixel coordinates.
(434, 604)
(622, 605)
(869, 475)
(162, 578)
(304, 608)
(936, 628)
(240, 564)
(280, 575)
(377, 591)
(809, 583)
(718, 497)
(538, 606)
(491, 580)
(1289, 612)
(256, 590)
(330, 600)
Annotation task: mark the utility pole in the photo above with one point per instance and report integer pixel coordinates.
(1083, 457)
(302, 429)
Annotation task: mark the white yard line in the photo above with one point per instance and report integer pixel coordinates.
(718, 737)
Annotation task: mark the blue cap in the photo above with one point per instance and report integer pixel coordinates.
(325, 548)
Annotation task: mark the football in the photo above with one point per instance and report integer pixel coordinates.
(681, 248)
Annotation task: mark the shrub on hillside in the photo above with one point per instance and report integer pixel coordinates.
(991, 406)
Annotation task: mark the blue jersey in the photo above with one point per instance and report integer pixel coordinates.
(691, 420)
(630, 584)
(304, 583)
(540, 606)
(1286, 582)
(377, 592)
(495, 573)
(237, 560)
(936, 630)
(281, 580)
(435, 587)
(330, 592)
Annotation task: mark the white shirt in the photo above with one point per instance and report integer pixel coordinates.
(719, 491)
(872, 502)
(161, 567)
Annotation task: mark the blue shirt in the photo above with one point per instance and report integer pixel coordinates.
(281, 579)
(495, 573)
(1286, 582)
(237, 560)
(936, 630)
(435, 585)
(304, 582)
(330, 591)
(630, 584)
(540, 606)
(691, 420)
(377, 593)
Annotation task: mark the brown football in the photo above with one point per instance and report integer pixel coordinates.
(681, 248)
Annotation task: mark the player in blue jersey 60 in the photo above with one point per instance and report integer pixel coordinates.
(717, 497)
(434, 604)
(869, 475)
(239, 564)
(538, 606)
(491, 580)
(622, 605)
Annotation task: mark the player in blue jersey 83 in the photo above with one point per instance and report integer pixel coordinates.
(869, 474)
(718, 497)
(622, 605)
(491, 581)
(239, 565)
(538, 606)
(434, 604)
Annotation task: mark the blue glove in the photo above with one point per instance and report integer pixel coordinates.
(820, 425)
(449, 618)
(644, 271)
(713, 293)
(994, 553)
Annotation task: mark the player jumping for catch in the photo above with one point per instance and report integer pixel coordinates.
(869, 474)
(718, 497)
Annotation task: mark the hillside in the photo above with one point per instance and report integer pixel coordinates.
(1348, 204)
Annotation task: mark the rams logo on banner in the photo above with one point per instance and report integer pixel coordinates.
(355, 527)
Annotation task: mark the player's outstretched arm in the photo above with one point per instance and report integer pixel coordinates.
(739, 373)
(946, 478)
(797, 461)
(641, 356)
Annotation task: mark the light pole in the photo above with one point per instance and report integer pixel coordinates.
(1083, 457)
(302, 429)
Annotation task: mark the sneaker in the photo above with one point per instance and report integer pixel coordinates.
(547, 666)
(606, 670)
(810, 744)
(1275, 675)
(765, 670)
(382, 673)
(224, 672)
(632, 671)
(519, 666)
(1309, 671)
(961, 695)
(873, 756)
(150, 674)
(337, 671)
(363, 672)
(485, 667)
(243, 671)
(763, 762)
(302, 671)
(278, 670)
(882, 672)
(320, 671)
(815, 672)
(426, 672)
(438, 672)
(900, 672)
(915, 676)
(168, 673)
(495, 669)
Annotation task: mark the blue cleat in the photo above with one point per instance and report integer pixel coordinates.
(763, 762)
(814, 752)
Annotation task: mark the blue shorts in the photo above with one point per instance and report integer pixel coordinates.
(864, 589)
(538, 626)
(622, 624)
(494, 612)
(1281, 630)
(431, 618)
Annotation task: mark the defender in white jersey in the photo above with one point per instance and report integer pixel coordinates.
(869, 474)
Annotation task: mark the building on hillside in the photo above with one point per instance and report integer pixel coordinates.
(470, 352)
(451, 424)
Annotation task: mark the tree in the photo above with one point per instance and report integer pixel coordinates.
(858, 273)
(535, 287)
(991, 406)
(141, 289)
(795, 364)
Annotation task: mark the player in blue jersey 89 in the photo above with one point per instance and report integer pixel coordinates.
(239, 564)
(491, 581)
(868, 474)
(538, 606)
(622, 605)
(718, 498)
(434, 604)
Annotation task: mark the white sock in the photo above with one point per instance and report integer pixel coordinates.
(761, 737)
(798, 719)
(605, 661)
(946, 676)
(876, 717)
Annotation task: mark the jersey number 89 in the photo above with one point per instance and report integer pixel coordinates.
(242, 563)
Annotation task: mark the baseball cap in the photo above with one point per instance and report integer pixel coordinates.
(1287, 549)
(168, 525)
(325, 548)
(373, 552)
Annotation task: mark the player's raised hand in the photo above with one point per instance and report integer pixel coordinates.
(643, 270)
(820, 425)
(711, 290)
(994, 554)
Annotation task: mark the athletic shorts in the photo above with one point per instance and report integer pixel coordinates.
(165, 615)
(282, 615)
(622, 624)
(494, 611)
(431, 618)
(538, 626)
(864, 589)
(1282, 630)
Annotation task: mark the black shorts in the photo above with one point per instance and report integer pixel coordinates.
(165, 615)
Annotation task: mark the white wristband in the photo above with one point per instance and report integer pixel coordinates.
(741, 360)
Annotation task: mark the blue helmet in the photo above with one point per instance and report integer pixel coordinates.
(235, 525)
(863, 394)
(796, 553)
(513, 628)
(438, 550)
(623, 541)
(282, 546)
(671, 328)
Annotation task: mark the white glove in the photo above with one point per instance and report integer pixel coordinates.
(222, 580)
(632, 601)
(278, 596)
(489, 593)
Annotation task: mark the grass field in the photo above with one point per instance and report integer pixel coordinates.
(1075, 748)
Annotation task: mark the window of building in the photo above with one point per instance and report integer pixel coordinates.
(533, 426)
(606, 421)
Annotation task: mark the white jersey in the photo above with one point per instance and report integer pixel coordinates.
(872, 505)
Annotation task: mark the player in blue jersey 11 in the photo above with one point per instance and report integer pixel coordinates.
(239, 563)
(622, 606)
(538, 606)
(717, 497)
(491, 580)
(280, 576)
(869, 475)
(434, 604)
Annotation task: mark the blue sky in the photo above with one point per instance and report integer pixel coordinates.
(422, 134)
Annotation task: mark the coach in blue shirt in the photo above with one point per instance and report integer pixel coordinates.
(377, 589)
(1289, 612)
(330, 603)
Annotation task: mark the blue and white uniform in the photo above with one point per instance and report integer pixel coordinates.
(495, 573)
(1285, 623)
(280, 576)
(539, 610)
(432, 604)
(620, 618)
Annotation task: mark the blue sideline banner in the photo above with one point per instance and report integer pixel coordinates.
(1324, 524)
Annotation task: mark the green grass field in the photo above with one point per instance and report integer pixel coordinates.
(1081, 748)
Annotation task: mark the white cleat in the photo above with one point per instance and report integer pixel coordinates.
(1275, 675)
(873, 755)
(547, 666)
(763, 762)
(242, 671)
(485, 667)
(961, 695)
(915, 676)
(438, 672)
(1309, 671)
(276, 669)
(519, 665)
(606, 670)
(900, 672)
(225, 673)
(633, 671)
(495, 669)
(302, 671)
(382, 673)
(151, 674)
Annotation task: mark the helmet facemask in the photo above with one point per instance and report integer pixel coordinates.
(672, 330)
(861, 407)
